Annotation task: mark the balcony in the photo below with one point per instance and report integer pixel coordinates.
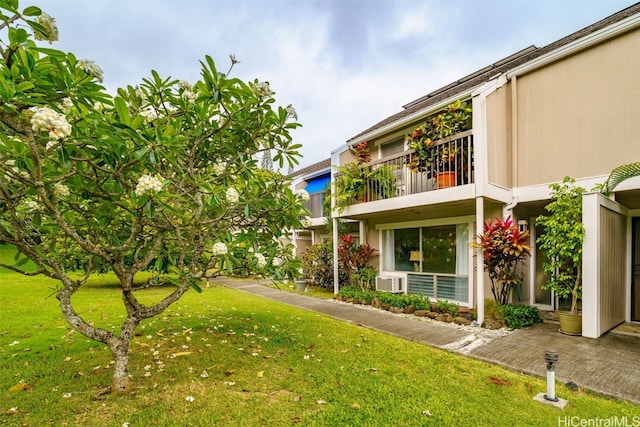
(314, 204)
(449, 164)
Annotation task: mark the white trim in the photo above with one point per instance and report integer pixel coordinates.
(394, 204)
(427, 222)
(591, 266)
(629, 269)
(589, 40)
(479, 301)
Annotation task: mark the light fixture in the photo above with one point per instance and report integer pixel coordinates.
(523, 225)
(551, 357)
(414, 256)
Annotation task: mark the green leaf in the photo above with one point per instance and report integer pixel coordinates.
(149, 209)
(22, 261)
(194, 285)
(122, 110)
(32, 11)
(23, 86)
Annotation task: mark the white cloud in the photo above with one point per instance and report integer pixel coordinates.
(344, 65)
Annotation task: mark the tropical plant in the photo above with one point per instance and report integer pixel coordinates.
(432, 157)
(561, 241)
(317, 264)
(519, 316)
(504, 247)
(444, 306)
(359, 183)
(365, 278)
(352, 257)
(362, 152)
(163, 177)
(619, 174)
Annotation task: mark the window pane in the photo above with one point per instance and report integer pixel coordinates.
(439, 249)
(393, 147)
(407, 240)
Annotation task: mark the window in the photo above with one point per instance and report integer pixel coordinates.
(436, 259)
(392, 147)
(436, 249)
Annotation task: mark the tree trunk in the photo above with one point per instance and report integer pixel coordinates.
(121, 382)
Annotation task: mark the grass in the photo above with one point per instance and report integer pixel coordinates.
(247, 361)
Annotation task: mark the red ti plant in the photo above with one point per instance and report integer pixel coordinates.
(503, 248)
(352, 257)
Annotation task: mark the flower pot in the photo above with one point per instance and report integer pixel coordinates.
(301, 285)
(570, 324)
(446, 179)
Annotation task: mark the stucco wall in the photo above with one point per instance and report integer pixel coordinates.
(579, 116)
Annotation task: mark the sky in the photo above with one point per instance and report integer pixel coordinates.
(343, 64)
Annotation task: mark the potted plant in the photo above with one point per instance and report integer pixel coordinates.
(561, 241)
(504, 247)
(439, 159)
(359, 183)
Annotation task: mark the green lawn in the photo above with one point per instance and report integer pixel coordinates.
(247, 361)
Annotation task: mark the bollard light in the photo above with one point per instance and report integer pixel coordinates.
(551, 357)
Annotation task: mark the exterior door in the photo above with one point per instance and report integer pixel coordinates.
(635, 281)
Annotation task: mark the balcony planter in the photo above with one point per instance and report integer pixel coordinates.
(446, 179)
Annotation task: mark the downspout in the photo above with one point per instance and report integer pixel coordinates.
(508, 209)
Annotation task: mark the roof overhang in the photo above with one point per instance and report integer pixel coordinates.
(608, 32)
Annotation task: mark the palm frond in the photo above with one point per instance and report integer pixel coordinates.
(619, 174)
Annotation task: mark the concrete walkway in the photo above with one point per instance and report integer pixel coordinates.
(608, 365)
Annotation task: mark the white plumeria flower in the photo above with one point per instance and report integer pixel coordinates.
(149, 114)
(219, 168)
(306, 222)
(190, 399)
(148, 184)
(219, 248)
(61, 191)
(45, 119)
(31, 205)
(277, 261)
(66, 105)
(262, 261)
(204, 374)
(232, 195)
(90, 68)
(189, 96)
(302, 195)
(51, 144)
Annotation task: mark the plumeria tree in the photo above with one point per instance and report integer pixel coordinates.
(162, 177)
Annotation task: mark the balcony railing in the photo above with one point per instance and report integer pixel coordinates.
(314, 204)
(450, 164)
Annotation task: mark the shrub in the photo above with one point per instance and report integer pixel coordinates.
(317, 264)
(365, 278)
(520, 316)
(444, 306)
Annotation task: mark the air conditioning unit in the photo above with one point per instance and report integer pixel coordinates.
(389, 284)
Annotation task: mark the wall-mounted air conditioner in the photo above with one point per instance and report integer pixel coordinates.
(389, 284)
